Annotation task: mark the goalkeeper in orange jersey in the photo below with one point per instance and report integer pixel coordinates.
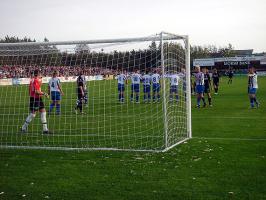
(36, 103)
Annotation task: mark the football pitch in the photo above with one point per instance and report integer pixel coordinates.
(225, 159)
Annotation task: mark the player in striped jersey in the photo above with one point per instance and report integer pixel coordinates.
(55, 91)
(155, 78)
(121, 80)
(135, 85)
(199, 79)
(146, 80)
(36, 103)
(252, 87)
(174, 81)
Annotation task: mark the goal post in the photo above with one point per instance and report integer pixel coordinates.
(138, 113)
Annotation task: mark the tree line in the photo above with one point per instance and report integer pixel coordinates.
(84, 56)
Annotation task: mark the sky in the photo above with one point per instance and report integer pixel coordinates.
(207, 22)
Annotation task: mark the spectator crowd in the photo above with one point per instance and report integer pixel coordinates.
(64, 71)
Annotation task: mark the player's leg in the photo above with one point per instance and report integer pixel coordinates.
(136, 88)
(80, 104)
(153, 95)
(209, 98)
(53, 98)
(176, 94)
(145, 94)
(122, 93)
(256, 101)
(86, 97)
(57, 103)
(158, 93)
(119, 88)
(44, 120)
(171, 94)
(153, 92)
(122, 96)
(43, 116)
(253, 92)
(132, 93)
(58, 107)
(199, 96)
(251, 99)
(31, 116)
(149, 93)
(204, 91)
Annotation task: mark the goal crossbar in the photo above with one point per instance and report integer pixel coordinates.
(157, 37)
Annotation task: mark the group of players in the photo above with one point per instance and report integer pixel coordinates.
(202, 85)
(151, 82)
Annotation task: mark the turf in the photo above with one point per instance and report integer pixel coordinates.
(226, 159)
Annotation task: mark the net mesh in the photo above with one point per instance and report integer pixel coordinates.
(154, 123)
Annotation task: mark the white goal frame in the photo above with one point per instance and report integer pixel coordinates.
(163, 36)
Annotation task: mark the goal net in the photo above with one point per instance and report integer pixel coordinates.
(117, 94)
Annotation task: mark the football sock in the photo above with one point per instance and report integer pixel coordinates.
(51, 107)
(86, 99)
(252, 102)
(203, 99)
(255, 100)
(137, 98)
(198, 101)
(210, 101)
(44, 122)
(149, 96)
(57, 108)
(28, 120)
(171, 97)
(119, 97)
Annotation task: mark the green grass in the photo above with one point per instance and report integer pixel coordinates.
(226, 159)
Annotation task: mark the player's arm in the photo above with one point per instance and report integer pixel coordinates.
(37, 90)
(60, 88)
(81, 87)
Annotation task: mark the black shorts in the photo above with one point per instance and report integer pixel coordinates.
(206, 89)
(36, 104)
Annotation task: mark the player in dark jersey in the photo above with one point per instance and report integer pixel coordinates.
(80, 93)
(230, 76)
(207, 86)
(215, 80)
(36, 103)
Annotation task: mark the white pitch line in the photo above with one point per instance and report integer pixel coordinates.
(228, 117)
(236, 139)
